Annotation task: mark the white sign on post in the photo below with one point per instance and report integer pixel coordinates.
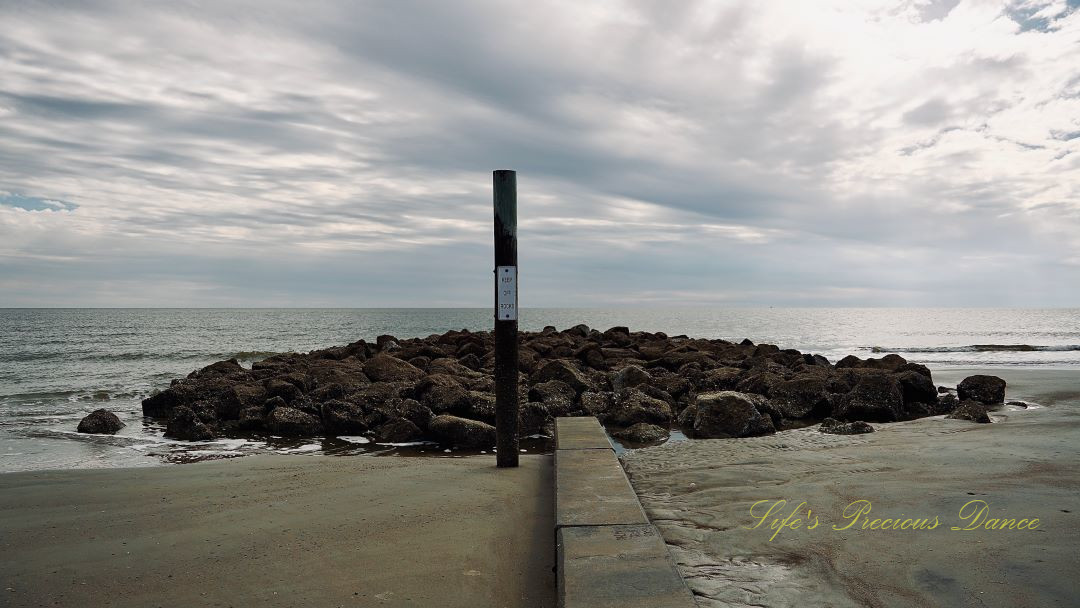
(506, 293)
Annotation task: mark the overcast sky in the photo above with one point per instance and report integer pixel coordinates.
(924, 152)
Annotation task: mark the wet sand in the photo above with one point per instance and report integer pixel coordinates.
(700, 493)
(281, 531)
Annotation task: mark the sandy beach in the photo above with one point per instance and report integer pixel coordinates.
(281, 531)
(700, 494)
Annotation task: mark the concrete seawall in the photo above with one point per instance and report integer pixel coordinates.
(608, 554)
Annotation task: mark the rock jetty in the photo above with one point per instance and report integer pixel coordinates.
(638, 384)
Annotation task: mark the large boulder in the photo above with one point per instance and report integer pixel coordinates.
(632, 406)
(251, 418)
(398, 430)
(563, 371)
(720, 379)
(450, 367)
(917, 388)
(278, 387)
(591, 355)
(597, 403)
(102, 422)
(760, 382)
(629, 377)
(463, 433)
(385, 368)
(186, 424)
(557, 396)
(835, 427)
(988, 390)
(799, 397)
(161, 404)
(876, 396)
(291, 422)
(946, 404)
(727, 414)
(396, 407)
(642, 432)
(970, 410)
(532, 418)
(342, 418)
(441, 393)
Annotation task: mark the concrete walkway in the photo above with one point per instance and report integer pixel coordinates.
(282, 531)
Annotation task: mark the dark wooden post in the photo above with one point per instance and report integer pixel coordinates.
(506, 319)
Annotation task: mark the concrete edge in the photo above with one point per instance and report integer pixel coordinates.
(662, 562)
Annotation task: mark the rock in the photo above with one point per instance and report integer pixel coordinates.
(946, 404)
(876, 396)
(162, 404)
(629, 377)
(398, 430)
(396, 407)
(835, 427)
(657, 393)
(945, 389)
(799, 397)
(273, 402)
(581, 330)
(463, 433)
(686, 419)
(287, 391)
(101, 422)
(481, 407)
(342, 418)
(450, 367)
(970, 410)
(557, 396)
(720, 379)
(591, 355)
(848, 361)
(471, 362)
(642, 432)
(596, 404)
(728, 414)
(185, 424)
(552, 391)
(1022, 404)
(562, 371)
(251, 418)
(238, 397)
(916, 387)
(674, 385)
(441, 393)
(384, 368)
(988, 390)
(632, 406)
(347, 389)
(291, 422)
(532, 418)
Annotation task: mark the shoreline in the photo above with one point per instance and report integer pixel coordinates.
(700, 493)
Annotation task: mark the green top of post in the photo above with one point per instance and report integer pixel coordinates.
(505, 182)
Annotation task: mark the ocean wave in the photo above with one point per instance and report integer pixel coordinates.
(979, 348)
(243, 355)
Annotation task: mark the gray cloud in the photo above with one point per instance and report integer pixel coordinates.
(730, 153)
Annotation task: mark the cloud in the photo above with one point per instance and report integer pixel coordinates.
(339, 153)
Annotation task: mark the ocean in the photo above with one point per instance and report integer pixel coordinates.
(56, 365)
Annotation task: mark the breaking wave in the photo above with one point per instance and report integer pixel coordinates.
(979, 348)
